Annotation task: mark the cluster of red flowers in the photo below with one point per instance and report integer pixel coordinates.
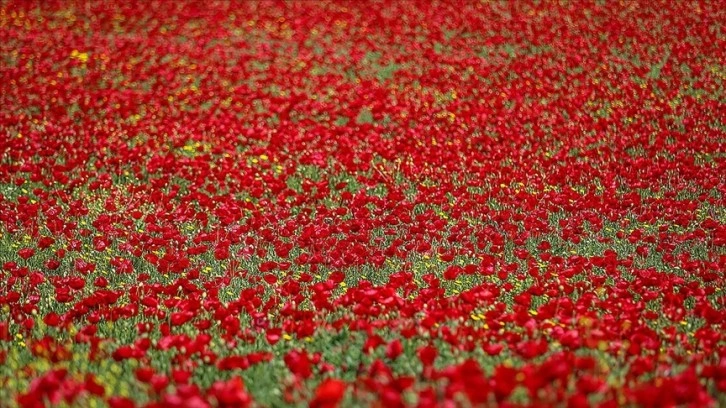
(382, 203)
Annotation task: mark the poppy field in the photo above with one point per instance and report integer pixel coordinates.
(388, 204)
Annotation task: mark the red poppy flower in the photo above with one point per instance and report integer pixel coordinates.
(328, 394)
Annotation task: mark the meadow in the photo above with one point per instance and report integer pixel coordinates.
(385, 204)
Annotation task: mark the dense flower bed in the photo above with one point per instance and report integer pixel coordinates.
(362, 203)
